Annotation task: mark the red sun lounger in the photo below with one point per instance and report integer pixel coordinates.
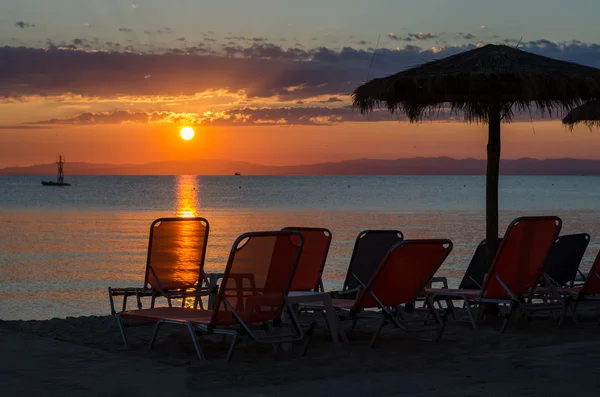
(251, 296)
(398, 280)
(515, 272)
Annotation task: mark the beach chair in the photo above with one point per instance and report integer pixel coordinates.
(398, 280)
(589, 292)
(515, 272)
(370, 248)
(174, 263)
(312, 259)
(562, 265)
(250, 299)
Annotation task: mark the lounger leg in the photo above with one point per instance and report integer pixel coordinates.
(124, 301)
(192, 332)
(470, 313)
(112, 303)
(232, 347)
(122, 329)
(138, 298)
(157, 327)
(441, 321)
(513, 304)
(153, 300)
(377, 331)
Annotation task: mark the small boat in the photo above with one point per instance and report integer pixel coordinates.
(237, 174)
(60, 180)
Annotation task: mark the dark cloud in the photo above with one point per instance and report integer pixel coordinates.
(233, 117)
(180, 39)
(423, 35)
(244, 38)
(393, 36)
(466, 36)
(23, 127)
(125, 30)
(159, 32)
(261, 70)
(209, 39)
(24, 25)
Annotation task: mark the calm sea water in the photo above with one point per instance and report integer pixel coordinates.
(60, 248)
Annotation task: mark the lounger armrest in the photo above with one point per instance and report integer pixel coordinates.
(442, 280)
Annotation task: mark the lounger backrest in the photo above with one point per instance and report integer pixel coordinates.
(565, 257)
(176, 251)
(257, 277)
(404, 273)
(521, 256)
(312, 259)
(370, 248)
(591, 286)
(477, 269)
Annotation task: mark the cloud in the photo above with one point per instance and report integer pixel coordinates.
(164, 31)
(23, 127)
(261, 70)
(483, 27)
(180, 39)
(125, 30)
(466, 36)
(393, 36)
(87, 25)
(423, 35)
(244, 38)
(245, 117)
(23, 25)
(134, 6)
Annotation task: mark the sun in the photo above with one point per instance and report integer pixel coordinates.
(187, 133)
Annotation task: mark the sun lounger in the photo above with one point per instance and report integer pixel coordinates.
(312, 259)
(250, 299)
(396, 283)
(563, 262)
(589, 292)
(174, 264)
(517, 268)
(370, 248)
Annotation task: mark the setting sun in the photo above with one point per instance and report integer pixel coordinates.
(187, 133)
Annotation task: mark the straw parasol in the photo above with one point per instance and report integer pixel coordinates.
(486, 84)
(588, 113)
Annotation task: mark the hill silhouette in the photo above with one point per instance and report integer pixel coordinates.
(409, 166)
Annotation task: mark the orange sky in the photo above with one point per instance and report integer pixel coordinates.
(285, 145)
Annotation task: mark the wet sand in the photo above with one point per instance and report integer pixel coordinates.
(84, 356)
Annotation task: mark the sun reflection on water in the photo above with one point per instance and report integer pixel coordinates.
(187, 199)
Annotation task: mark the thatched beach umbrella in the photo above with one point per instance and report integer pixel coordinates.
(486, 84)
(588, 113)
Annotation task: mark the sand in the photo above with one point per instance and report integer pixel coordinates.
(84, 357)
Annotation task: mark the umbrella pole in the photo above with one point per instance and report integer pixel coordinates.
(491, 192)
(491, 183)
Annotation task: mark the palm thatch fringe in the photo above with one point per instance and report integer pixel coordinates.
(475, 81)
(587, 114)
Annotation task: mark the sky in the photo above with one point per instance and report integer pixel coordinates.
(263, 81)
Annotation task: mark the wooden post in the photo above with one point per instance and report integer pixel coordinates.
(491, 195)
(491, 182)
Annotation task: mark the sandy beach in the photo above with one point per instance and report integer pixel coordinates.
(84, 356)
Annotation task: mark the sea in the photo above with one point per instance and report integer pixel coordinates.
(62, 247)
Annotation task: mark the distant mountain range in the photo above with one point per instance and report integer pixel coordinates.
(411, 166)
